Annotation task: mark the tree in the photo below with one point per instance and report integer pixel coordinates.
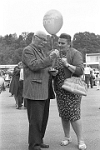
(29, 38)
(17, 55)
(86, 42)
(11, 46)
(2, 59)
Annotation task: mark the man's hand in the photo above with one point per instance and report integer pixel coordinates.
(54, 54)
(57, 52)
(53, 72)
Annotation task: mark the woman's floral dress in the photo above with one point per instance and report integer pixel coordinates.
(68, 103)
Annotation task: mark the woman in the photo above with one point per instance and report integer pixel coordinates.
(69, 63)
(15, 86)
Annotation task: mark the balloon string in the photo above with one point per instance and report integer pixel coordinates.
(52, 42)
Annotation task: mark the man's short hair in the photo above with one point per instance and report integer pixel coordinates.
(66, 36)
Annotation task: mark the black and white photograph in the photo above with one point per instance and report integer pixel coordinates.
(49, 75)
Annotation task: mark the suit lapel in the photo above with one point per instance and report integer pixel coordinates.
(39, 52)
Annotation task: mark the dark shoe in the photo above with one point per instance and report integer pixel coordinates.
(11, 96)
(18, 107)
(44, 145)
(37, 148)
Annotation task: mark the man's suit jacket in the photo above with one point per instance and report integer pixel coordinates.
(36, 76)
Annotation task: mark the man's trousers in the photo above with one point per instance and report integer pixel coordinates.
(38, 111)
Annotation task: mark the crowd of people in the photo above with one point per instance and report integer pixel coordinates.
(1, 83)
(14, 81)
(4, 80)
(91, 77)
(39, 78)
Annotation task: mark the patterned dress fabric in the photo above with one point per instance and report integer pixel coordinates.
(68, 103)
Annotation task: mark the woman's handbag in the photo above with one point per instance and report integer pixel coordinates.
(75, 85)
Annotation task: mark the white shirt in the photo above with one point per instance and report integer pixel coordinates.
(87, 70)
(7, 77)
(21, 74)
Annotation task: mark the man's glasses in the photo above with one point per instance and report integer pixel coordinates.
(62, 43)
(43, 39)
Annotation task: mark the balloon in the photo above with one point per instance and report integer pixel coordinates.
(52, 21)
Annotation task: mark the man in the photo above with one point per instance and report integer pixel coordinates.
(36, 88)
(20, 86)
(87, 70)
(14, 86)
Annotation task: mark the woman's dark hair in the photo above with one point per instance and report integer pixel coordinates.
(66, 36)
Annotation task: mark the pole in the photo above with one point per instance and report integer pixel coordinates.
(52, 45)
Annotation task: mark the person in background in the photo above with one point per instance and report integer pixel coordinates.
(20, 87)
(97, 81)
(2, 75)
(69, 63)
(14, 85)
(36, 88)
(7, 79)
(1, 82)
(91, 79)
(87, 70)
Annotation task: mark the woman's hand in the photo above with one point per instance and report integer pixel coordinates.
(64, 61)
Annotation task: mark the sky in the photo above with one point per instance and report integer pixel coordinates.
(17, 16)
